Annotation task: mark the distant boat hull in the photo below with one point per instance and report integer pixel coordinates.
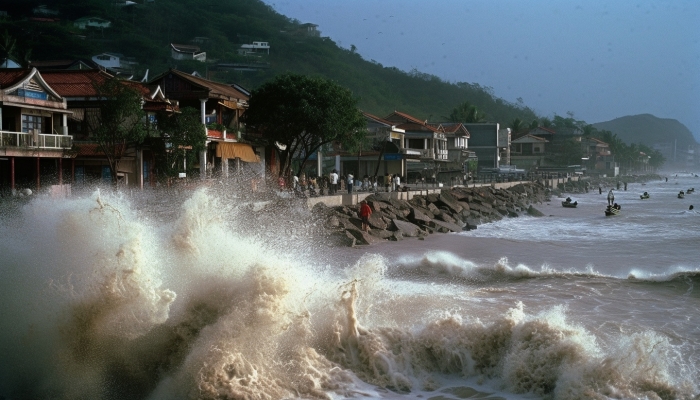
(641, 196)
(611, 211)
(569, 204)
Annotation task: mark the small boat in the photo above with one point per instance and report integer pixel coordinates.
(612, 210)
(691, 190)
(681, 195)
(644, 196)
(569, 204)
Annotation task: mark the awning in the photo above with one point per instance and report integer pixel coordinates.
(236, 150)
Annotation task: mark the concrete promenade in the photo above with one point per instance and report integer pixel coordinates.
(345, 199)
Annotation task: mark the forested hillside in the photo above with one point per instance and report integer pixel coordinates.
(648, 130)
(145, 28)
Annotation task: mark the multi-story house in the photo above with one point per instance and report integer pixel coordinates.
(425, 146)
(34, 139)
(528, 151)
(221, 107)
(80, 89)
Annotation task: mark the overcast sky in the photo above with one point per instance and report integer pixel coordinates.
(599, 59)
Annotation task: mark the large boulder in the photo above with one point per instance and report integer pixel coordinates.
(448, 226)
(534, 212)
(406, 228)
(450, 201)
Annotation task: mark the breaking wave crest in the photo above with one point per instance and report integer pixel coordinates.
(102, 303)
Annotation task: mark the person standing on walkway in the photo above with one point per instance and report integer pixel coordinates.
(350, 182)
(334, 182)
(387, 182)
(397, 182)
(611, 197)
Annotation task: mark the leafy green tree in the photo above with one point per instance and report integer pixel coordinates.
(181, 137)
(303, 113)
(565, 152)
(120, 122)
(467, 113)
(517, 125)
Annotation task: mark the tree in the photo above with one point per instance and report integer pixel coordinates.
(517, 125)
(301, 114)
(565, 152)
(182, 137)
(467, 113)
(119, 122)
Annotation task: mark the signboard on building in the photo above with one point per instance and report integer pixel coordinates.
(32, 94)
(393, 156)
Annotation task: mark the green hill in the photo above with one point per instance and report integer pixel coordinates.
(145, 30)
(648, 130)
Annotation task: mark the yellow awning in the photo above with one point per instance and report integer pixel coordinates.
(236, 150)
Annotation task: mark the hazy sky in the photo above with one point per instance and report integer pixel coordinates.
(599, 59)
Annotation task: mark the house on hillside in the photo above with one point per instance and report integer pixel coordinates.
(597, 157)
(309, 29)
(221, 107)
(116, 64)
(256, 48)
(34, 140)
(187, 52)
(91, 22)
(80, 89)
(425, 147)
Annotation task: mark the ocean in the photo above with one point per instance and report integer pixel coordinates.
(136, 296)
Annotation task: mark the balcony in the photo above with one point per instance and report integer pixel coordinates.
(35, 141)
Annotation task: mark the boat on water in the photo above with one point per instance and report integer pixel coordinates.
(568, 203)
(681, 194)
(643, 196)
(612, 210)
(691, 190)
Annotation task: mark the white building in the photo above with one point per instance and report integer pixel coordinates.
(255, 48)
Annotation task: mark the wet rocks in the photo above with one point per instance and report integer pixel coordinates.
(451, 210)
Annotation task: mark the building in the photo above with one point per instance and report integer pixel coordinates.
(485, 143)
(34, 140)
(424, 148)
(187, 52)
(91, 22)
(80, 89)
(528, 151)
(221, 107)
(256, 48)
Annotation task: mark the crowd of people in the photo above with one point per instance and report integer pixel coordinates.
(332, 183)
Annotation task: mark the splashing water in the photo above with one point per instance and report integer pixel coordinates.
(104, 300)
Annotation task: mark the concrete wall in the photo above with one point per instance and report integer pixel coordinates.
(355, 198)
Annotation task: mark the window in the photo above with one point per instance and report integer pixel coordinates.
(30, 123)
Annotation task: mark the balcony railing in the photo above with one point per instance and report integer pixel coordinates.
(31, 140)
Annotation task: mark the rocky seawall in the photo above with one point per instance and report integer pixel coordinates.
(450, 210)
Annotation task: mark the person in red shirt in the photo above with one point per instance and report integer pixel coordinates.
(365, 212)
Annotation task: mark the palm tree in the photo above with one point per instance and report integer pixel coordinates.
(517, 125)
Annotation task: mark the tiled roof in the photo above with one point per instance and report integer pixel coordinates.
(216, 89)
(405, 117)
(75, 83)
(380, 120)
(9, 77)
